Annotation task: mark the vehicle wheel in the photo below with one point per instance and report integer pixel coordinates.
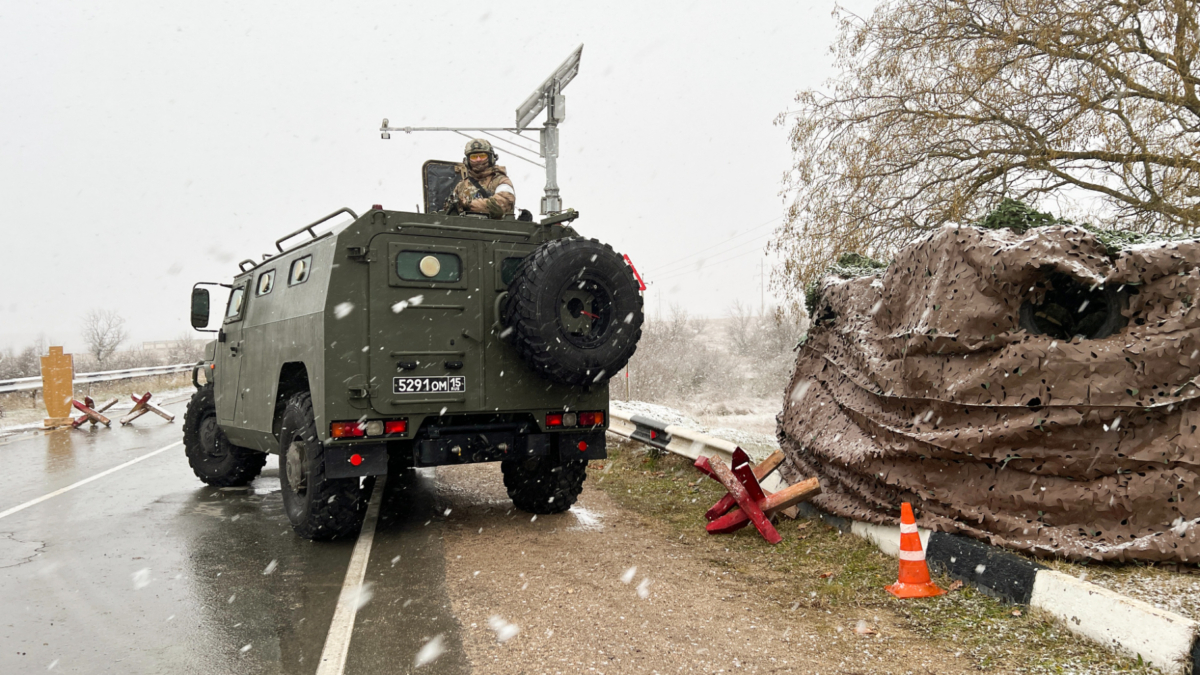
(574, 312)
(213, 458)
(539, 485)
(318, 507)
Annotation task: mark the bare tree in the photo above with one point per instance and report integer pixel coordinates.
(742, 329)
(103, 331)
(943, 108)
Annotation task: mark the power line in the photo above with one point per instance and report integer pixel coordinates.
(723, 241)
(686, 264)
(706, 267)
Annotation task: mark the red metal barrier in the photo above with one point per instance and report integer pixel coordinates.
(747, 502)
(90, 414)
(141, 406)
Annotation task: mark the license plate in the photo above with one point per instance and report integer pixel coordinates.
(443, 384)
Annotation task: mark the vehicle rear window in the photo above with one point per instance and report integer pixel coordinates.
(428, 266)
(508, 269)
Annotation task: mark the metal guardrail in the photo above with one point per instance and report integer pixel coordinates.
(678, 440)
(31, 383)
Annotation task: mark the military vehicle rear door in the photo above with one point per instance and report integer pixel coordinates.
(438, 178)
(427, 327)
(229, 353)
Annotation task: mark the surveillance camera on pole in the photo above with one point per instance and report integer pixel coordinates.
(549, 97)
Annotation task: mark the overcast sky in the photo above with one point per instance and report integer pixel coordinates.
(144, 147)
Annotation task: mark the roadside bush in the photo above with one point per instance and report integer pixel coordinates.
(684, 358)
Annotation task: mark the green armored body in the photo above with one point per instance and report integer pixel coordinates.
(410, 340)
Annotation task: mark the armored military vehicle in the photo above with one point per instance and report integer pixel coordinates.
(413, 340)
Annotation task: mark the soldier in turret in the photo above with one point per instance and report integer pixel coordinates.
(484, 187)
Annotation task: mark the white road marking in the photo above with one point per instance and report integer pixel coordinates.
(341, 628)
(85, 481)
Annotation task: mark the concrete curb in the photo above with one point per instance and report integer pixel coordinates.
(1168, 641)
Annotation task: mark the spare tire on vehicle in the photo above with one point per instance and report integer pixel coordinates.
(574, 311)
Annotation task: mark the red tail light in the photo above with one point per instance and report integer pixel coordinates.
(591, 419)
(554, 419)
(347, 430)
(395, 427)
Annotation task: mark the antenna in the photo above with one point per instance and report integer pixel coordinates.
(548, 96)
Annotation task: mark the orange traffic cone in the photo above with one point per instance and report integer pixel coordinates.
(914, 574)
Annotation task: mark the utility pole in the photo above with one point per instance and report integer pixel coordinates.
(548, 97)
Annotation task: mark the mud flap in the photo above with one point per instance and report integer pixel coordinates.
(339, 461)
(582, 446)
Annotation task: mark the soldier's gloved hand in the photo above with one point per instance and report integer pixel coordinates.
(495, 211)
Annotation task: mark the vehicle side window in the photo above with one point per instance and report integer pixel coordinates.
(508, 269)
(266, 282)
(428, 266)
(236, 300)
(300, 270)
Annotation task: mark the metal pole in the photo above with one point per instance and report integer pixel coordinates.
(551, 203)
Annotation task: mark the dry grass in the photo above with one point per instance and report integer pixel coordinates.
(818, 573)
(17, 407)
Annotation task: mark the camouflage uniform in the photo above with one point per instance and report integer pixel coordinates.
(494, 179)
(468, 198)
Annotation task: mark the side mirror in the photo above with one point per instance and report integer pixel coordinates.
(200, 308)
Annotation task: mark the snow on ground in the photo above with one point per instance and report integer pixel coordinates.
(1170, 588)
(27, 420)
(748, 436)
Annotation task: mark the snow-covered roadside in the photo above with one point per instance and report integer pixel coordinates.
(1159, 586)
(27, 420)
(753, 442)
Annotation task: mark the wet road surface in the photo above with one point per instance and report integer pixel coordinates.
(148, 570)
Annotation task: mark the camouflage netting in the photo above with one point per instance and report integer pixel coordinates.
(974, 378)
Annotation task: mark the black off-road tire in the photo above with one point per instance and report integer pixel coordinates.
(548, 295)
(540, 485)
(319, 508)
(213, 458)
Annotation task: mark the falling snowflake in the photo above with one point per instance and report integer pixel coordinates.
(643, 589)
(141, 578)
(271, 567)
(505, 631)
(430, 651)
(627, 577)
(342, 310)
(800, 390)
(363, 596)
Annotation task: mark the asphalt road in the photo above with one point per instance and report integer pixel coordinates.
(147, 570)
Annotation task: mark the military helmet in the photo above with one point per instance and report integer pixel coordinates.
(476, 145)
